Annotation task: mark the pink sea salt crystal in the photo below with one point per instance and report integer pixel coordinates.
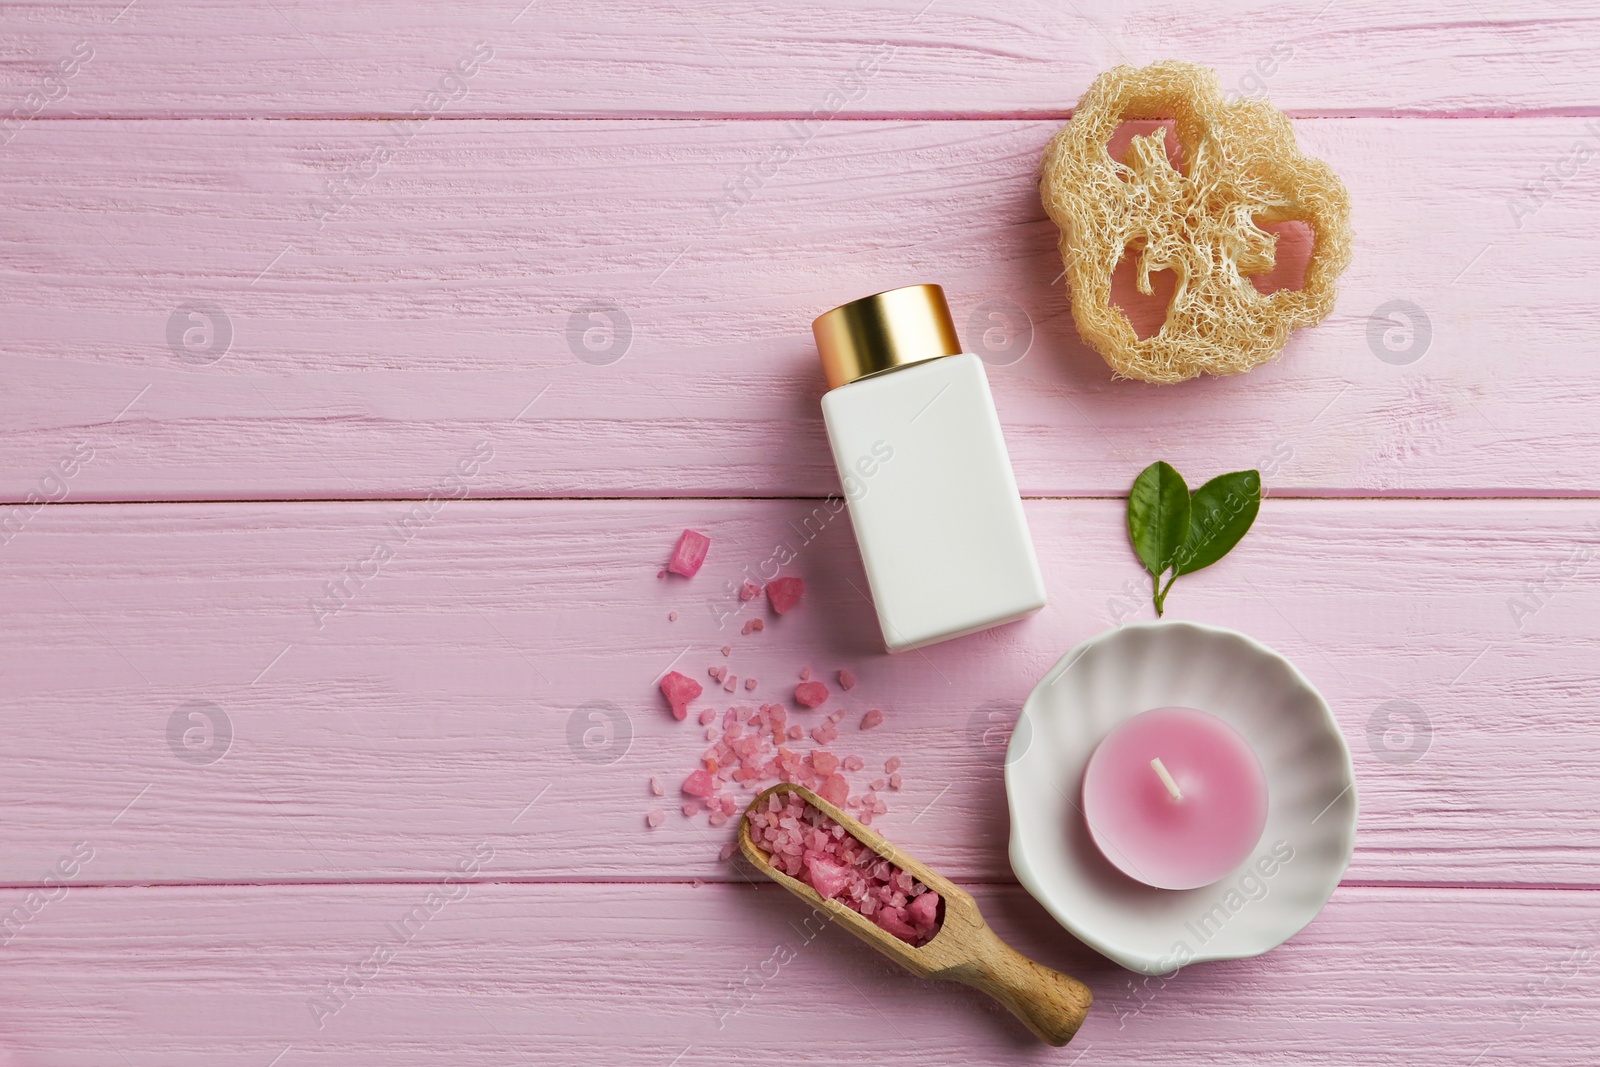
(825, 734)
(923, 911)
(707, 715)
(805, 674)
(691, 809)
(877, 783)
(749, 591)
(847, 680)
(835, 790)
(656, 787)
(690, 553)
(672, 616)
(655, 818)
(679, 690)
(750, 626)
(698, 784)
(894, 781)
(894, 921)
(784, 593)
(716, 672)
(854, 763)
(726, 851)
(796, 733)
(825, 763)
(827, 875)
(730, 682)
(749, 685)
(809, 694)
(891, 764)
(872, 718)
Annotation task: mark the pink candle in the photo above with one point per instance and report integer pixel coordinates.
(1175, 798)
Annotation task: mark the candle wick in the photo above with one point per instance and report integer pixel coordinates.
(1166, 778)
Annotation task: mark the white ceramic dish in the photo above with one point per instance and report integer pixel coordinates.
(1311, 818)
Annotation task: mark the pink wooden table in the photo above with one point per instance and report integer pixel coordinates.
(276, 273)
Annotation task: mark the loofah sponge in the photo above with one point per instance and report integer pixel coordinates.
(1241, 167)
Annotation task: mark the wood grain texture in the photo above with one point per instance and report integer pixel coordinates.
(224, 282)
(454, 687)
(449, 295)
(631, 58)
(638, 975)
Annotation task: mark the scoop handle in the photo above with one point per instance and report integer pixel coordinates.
(1051, 1004)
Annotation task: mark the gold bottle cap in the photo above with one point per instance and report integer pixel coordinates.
(884, 331)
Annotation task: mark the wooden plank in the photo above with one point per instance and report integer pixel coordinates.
(448, 697)
(633, 974)
(459, 286)
(630, 58)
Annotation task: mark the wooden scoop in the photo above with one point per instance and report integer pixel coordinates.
(964, 950)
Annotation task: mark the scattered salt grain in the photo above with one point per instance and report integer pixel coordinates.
(727, 650)
(672, 616)
(656, 787)
(894, 781)
(847, 680)
(878, 783)
(834, 789)
(750, 626)
(689, 554)
(698, 784)
(784, 593)
(716, 672)
(707, 715)
(796, 733)
(655, 818)
(679, 690)
(749, 591)
(805, 674)
(749, 685)
(871, 719)
(730, 682)
(854, 763)
(809, 694)
(891, 764)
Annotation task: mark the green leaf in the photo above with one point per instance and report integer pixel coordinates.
(1158, 516)
(1221, 512)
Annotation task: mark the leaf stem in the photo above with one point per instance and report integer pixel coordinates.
(1161, 594)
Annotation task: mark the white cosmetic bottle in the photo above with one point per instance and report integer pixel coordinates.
(925, 471)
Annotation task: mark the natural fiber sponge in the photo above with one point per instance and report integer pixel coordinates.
(1241, 168)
